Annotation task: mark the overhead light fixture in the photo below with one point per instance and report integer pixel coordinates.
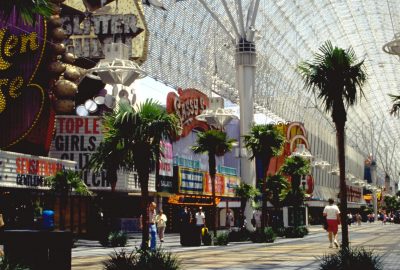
(334, 171)
(393, 47)
(116, 68)
(302, 151)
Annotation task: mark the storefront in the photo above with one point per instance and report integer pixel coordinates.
(24, 191)
(192, 189)
(76, 139)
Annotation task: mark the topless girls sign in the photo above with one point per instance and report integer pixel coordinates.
(188, 104)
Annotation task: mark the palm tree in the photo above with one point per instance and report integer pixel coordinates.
(295, 167)
(245, 192)
(26, 9)
(132, 142)
(214, 143)
(63, 183)
(275, 185)
(395, 110)
(337, 79)
(264, 142)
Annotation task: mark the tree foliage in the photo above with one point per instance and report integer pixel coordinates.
(65, 182)
(132, 141)
(28, 10)
(214, 143)
(334, 76)
(264, 141)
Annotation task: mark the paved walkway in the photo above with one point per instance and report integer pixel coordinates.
(286, 254)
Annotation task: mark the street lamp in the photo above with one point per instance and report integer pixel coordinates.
(374, 178)
(216, 117)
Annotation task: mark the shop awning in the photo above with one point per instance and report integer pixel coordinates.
(322, 193)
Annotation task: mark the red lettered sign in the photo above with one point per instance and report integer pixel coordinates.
(187, 106)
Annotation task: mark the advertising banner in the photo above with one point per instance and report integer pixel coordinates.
(231, 182)
(190, 181)
(166, 159)
(354, 194)
(76, 139)
(219, 184)
(27, 171)
(24, 103)
(189, 104)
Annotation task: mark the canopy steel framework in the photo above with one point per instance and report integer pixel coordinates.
(192, 44)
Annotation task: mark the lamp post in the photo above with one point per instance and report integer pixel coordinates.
(216, 117)
(374, 197)
(241, 31)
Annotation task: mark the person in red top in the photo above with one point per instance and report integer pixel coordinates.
(332, 215)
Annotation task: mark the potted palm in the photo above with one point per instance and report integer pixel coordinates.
(63, 183)
(337, 78)
(295, 167)
(214, 143)
(275, 185)
(245, 192)
(264, 142)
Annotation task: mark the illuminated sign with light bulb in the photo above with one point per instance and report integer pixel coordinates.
(22, 97)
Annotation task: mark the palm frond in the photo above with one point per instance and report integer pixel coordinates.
(395, 110)
(264, 141)
(64, 182)
(27, 10)
(295, 166)
(132, 138)
(215, 142)
(335, 77)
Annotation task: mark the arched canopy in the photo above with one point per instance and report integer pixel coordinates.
(188, 48)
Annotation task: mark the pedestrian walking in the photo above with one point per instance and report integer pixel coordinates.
(161, 221)
(332, 214)
(200, 218)
(256, 220)
(185, 219)
(230, 220)
(358, 219)
(151, 215)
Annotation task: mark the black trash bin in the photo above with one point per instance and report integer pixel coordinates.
(39, 250)
(190, 235)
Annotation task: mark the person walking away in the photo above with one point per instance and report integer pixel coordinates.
(384, 218)
(152, 225)
(358, 219)
(161, 221)
(200, 218)
(332, 214)
(257, 219)
(230, 221)
(349, 219)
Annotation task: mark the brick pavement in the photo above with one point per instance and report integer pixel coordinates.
(287, 254)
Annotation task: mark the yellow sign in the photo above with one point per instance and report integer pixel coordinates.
(192, 200)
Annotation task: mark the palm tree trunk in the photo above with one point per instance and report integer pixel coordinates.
(264, 221)
(144, 188)
(340, 137)
(63, 209)
(212, 170)
(296, 192)
(243, 202)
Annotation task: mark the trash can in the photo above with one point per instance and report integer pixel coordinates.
(190, 235)
(48, 220)
(39, 249)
